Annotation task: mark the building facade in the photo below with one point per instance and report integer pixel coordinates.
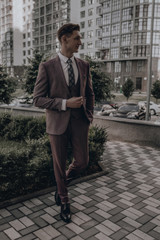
(27, 30)
(125, 40)
(6, 33)
(11, 34)
(48, 16)
(86, 13)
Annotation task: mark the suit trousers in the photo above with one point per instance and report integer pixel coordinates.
(77, 134)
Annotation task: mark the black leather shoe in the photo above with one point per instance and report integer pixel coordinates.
(65, 212)
(57, 198)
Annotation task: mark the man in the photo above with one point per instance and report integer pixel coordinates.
(64, 88)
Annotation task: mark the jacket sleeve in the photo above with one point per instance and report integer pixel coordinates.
(89, 97)
(41, 90)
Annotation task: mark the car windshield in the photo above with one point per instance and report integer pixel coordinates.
(128, 108)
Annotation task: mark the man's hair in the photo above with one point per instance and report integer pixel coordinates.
(67, 29)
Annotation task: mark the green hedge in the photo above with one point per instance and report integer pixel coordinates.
(26, 161)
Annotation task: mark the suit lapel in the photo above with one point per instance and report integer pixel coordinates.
(59, 70)
(81, 75)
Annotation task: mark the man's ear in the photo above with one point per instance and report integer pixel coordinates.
(63, 39)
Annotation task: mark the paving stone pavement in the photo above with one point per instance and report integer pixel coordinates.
(123, 204)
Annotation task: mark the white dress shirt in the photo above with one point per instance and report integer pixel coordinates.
(64, 64)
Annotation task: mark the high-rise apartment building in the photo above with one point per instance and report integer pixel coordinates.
(10, 34)
(27, 30)
(125, 40)
(48, 16)
(6, 33)
(86, 14)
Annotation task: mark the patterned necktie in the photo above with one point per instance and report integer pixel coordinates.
(70, 73)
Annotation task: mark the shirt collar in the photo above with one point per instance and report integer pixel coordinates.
(64, 58)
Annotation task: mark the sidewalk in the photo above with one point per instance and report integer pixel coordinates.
(123, 204)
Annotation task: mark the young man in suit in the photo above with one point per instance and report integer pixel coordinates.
(64, 88)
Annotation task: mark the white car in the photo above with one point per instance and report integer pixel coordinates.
(154, 108)
(106, 110)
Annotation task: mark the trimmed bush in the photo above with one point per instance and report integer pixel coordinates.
(26, 161)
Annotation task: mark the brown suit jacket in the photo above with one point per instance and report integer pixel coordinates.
(51, 88)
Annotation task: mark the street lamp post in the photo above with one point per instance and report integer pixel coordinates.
(149, 82)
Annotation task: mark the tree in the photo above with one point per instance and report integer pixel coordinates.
(128, 88)
(155, 91)
(7, 86)
(102, 83)
(32, 71)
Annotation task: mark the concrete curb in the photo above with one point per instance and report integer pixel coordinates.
(48, 190)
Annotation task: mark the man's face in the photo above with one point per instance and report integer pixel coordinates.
(73, 42)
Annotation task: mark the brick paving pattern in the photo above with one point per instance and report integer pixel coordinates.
(123, 204)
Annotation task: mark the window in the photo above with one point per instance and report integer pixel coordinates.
(107, 6)
(82, 34)
(128, 3)
(29, 43)
(125, 52)
(24, 35)
(138, 83)
(90, 2)
(42, 40)
(127, 14)
(90, 34)
(128, 66)
(82, 14)
(82, 46)
(117, 67)
(24, 53)
(156, 37)
(48, 28)
(106, 31)
(115, 41)
(156, 51)
(157, 24)
(126, 39)
(98, 44)
(42, 30)
(90, 12)
(82, 24)
(115, 4)
(89, 45)
(127, 26)
(116, 16)
(48, 18)
(98, 21)
(42, 20)
(56, 6)
(42, 11)
(140, 38)
(48, 39)
(106, 42)
(141, 51)
(83, 3)
(139, 66)
(106, 18)
(98, 32)
(90, 23)
(24, 44)
(115, 29)
(114, 53)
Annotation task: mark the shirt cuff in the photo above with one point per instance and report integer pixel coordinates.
(63, 108)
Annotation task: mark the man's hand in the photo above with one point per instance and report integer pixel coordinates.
(74, 102)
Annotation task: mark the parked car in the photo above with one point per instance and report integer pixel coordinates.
(130, 111)
(154, 108)
(106, 110)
